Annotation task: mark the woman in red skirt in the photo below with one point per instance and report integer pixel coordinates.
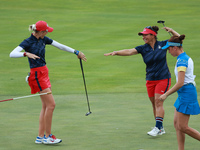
(38, 80)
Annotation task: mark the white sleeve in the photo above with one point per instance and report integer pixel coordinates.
(17, 52)
(62, 47)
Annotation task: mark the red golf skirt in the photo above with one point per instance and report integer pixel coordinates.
(39, 79)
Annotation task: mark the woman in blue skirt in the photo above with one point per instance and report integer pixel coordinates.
(186, 104)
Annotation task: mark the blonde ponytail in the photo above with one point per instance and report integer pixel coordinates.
(32, 27)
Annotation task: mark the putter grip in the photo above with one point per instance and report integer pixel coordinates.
(6, 100)
(49, 92)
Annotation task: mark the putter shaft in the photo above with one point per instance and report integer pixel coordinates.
(25, 96)
(85, 88)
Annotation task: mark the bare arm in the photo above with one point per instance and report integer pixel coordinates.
(176, 87)
(171, 31)
(125, 52)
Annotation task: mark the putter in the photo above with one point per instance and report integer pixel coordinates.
(25, 96)
(162, 21)
(89, 112)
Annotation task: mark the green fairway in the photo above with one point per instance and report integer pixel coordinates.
(121, 112)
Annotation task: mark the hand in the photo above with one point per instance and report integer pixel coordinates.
(82, 56)
(168, 29)
(162, 97)
(33, 56)
(112, 53)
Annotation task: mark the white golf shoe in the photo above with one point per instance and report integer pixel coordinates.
(51, 139)
(162, 131)
(154, 132)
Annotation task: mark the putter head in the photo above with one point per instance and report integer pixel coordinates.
(160, 21)
(88, 113)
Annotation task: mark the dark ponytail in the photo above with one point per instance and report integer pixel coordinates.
(177, 39)
(155, 28)
(182, 37)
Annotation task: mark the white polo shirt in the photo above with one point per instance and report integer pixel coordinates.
(185, 63)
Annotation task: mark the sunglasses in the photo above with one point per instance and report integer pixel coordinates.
(149, 27)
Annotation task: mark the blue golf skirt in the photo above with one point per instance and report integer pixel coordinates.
(187, 102)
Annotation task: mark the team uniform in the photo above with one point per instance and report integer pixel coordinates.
(158, 77)
(39, 78)
(186, 102)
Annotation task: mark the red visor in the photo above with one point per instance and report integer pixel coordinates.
(147, 31)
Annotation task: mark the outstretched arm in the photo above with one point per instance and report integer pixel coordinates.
(125, 52)
(69, 49)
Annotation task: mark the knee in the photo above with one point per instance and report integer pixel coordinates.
(182, 128)
(175, 125)
(51, 106)
(158, 103)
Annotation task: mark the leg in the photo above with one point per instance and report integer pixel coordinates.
(183, 120)
(48, 105)
(46, 116)
(159, 115)
(180, 135)
(158, 129)
(150, 85)
(160, 112)
(161, 87)
(41, 120)
(156, 89)
(152, 99)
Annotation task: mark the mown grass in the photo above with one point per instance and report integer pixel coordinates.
(122, 113)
